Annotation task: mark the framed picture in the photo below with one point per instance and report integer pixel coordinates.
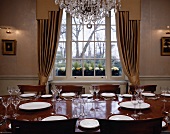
(165, 46)
(9, 47)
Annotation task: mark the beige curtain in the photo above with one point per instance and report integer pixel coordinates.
(128, 36)
(48, 36)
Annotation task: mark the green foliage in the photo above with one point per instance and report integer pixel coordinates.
(76, 65)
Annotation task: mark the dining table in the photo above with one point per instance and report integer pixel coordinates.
(91, 108)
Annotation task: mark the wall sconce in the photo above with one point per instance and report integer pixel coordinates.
(8, 30)
(168, 32)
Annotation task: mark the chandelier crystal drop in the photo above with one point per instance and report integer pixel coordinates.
(89, 10)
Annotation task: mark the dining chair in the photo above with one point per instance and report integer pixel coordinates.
(71, 88)
(147, 88)
(38, 89)
(148, 126)
(43, 127)
(109, 88)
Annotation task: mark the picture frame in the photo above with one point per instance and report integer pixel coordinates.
(165, 46)
(9, 47)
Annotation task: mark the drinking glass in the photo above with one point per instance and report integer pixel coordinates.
(96, 90)
(54, 91)
(164, 91)
(15, 102)
(134, 102)
(10, 90)
(75, 111)
(140, 101)
(82, 106)
(17, 91)
(91, 90)
(59, 91)
(5, 102)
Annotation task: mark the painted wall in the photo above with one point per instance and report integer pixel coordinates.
(20, 15)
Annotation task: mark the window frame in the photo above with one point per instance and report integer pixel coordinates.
(69, 77)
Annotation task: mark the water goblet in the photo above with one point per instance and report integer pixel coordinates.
(59, 92)
(134, 101)
(17, 91)
(96, 90)
(10, 90)
(75, 111)
(91, 90)
(15, 102)
(5, 102)
(164, 91)
(140, 101)
(54, 91)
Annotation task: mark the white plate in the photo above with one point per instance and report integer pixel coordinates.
(107, 94)
(9, 126)
(68, 94)
(126, 95)
(168, 95)
(28, 95)
(0, 97)
(46, 96)
(87, 95)
(148, 94)
(53, 118)
(89, 123)
(128, 104)
(164, 124)
(34, 105)
(120, 117)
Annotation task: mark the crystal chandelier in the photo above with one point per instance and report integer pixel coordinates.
(89, 10)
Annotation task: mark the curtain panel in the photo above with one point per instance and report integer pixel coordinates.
(48, 37)
(128, 36)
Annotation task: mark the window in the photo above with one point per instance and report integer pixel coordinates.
(89, 49)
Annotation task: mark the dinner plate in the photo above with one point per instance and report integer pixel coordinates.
(53, 118)
(167, 95)
(126, 95)
(87, 95)
(164, 124)
(128, 104)
(89, 123)
(46, 96)
(107, 95)
(34, 105)
(28, 95)
(9, 126)
(148, 94)
(120, 117)
(71, 94)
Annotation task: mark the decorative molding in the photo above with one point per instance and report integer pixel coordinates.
(89, 82)
(18, 77)
(155, 77)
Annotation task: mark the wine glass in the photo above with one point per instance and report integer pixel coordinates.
(140, 101)
(10, 90)
(164, 91)
(134, 101)
(17, 91)
(5, 102)
(75, 112)
(15, 102)
(59, 91)
(91, 90)
(54, 91)
(96, 90)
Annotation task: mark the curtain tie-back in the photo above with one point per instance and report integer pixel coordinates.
(134, 80)
(43, 79)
